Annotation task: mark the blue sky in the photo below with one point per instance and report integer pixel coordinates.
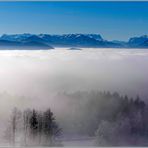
(113, 20)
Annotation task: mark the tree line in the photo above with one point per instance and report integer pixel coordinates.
(32, 128)
(128, 125)
(113, 120)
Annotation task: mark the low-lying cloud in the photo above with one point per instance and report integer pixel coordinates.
(38, 75)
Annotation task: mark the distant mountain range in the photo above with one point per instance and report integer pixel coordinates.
(47, 41)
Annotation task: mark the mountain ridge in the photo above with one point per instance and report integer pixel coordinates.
(49, 41)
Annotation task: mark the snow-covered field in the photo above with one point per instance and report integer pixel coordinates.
(82, 142)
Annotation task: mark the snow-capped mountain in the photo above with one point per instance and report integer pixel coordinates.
(23, 41)
(72, 39)
(65, 40)
(138, 41)
(69, 40)
(15, 37)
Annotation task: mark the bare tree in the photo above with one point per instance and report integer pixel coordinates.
(14, 122)
(26, 118)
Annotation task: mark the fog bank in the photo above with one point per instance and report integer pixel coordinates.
(40, 73)
(34, 78)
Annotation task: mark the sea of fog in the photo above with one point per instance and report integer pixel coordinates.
(37, 75)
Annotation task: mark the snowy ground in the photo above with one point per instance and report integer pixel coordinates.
(73, 142)
(82, 142)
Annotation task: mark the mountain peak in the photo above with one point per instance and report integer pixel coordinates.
(138, 41)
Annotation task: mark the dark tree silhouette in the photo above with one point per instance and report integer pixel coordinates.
(33, 122)
(50, 128)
